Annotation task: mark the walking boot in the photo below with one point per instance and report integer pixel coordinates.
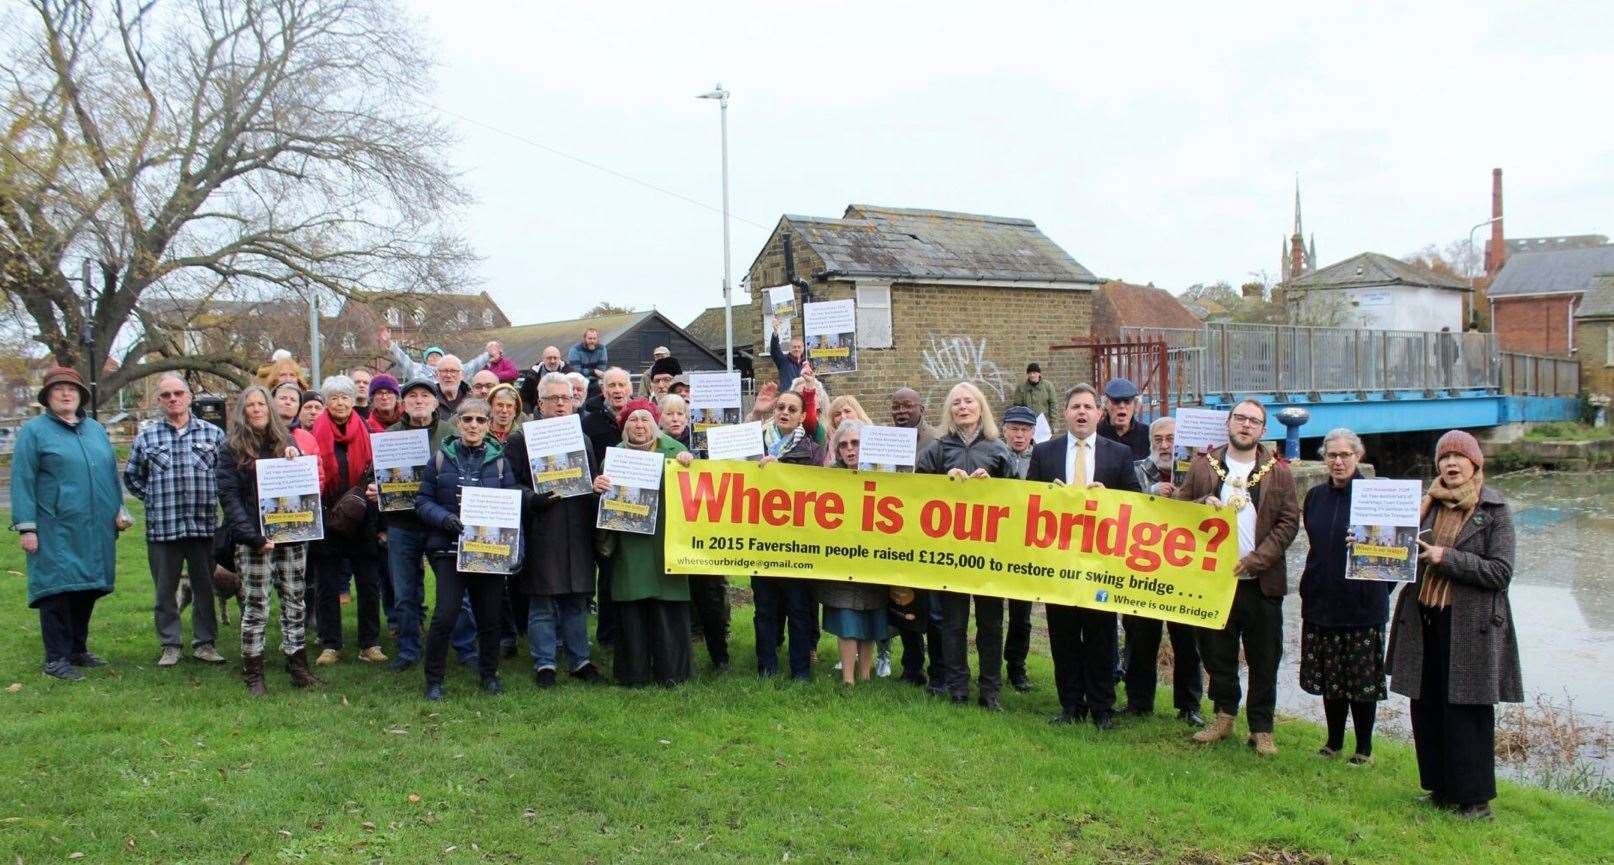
(252, 674)
(1218, 729)
(297, 666)
(1263, 744)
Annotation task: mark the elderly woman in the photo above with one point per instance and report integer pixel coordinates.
(652, 641)
(1342, 621)
(67, 509)
(969, 447)
(468, 458)
(675, 420)
(342, 439)
(782, 603)
(255, 433)
(504, 402)
(841, 409)
(854, 612)
(708, 595)
(1453, 650)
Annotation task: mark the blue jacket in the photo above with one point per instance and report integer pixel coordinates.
(455, 466)
(588, 362)
(789, 369)
(1326, 597)
(64, 486)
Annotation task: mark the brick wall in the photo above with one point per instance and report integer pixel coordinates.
(1596, 375)
(1538, 325)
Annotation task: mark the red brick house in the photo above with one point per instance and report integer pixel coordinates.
(1536, 295)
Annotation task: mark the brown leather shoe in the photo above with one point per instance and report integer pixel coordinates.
(252, 674)
(1263, 744)
(1216, 730)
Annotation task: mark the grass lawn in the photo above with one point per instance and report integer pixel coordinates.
(140, 765)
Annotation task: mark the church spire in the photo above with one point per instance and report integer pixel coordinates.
(1298, 231)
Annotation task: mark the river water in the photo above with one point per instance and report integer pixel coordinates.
(1562, 596)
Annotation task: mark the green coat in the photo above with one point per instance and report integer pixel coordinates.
(64, 485)
(638, 564)
(1039, 397)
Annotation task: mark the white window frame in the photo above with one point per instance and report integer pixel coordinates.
(874, 315)
(1608, 343)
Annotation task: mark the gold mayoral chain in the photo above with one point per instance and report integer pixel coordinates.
(1238, 500)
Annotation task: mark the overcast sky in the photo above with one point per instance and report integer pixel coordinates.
(1154, 145)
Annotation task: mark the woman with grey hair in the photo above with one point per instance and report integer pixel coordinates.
(1342, 621)
(350, 546)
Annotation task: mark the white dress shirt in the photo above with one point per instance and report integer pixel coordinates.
(1070, 456)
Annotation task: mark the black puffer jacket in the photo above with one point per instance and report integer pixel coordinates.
(238, 496)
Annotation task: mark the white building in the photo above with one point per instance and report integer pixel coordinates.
(1378, 292)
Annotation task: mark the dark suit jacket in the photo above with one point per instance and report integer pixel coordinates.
(1112, 463)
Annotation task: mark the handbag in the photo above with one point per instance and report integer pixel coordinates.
(346, 516)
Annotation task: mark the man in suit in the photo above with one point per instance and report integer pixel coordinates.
(1083, 640)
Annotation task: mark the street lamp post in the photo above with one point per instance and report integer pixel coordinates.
(88, 336)
(722, 97)
(1472, 277)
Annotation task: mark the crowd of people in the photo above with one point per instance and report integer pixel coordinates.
(1451, 648)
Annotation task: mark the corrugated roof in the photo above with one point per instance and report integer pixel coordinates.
(909, 244)
(1598, 301)
(1371, 268)
(1559, 271)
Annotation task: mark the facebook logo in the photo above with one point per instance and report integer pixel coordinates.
(1102, 596)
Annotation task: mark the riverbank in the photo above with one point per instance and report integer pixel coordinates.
(139, 764)
(1559, 446)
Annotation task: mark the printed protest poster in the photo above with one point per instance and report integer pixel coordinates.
(630, 504)
(830, 332)
(1198, 431)
(1384, 520)
(490, 543)
(778, 313)
(399, 459)
(1095, 548)
(741, 441)
(887, 448)
(288, 500)
(558, 456)
(714, 400)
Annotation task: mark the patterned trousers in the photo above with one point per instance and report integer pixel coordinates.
(284, 566)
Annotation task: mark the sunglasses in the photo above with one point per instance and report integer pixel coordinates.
(471, 418)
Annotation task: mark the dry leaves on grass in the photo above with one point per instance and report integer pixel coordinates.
(1261, 856)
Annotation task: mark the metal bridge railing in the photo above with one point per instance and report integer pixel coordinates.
(1539, 374)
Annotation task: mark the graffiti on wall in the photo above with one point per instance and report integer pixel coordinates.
(948, 360)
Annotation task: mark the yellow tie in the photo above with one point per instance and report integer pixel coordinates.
(1079, 473)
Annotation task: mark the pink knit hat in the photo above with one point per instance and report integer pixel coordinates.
(1461, 443)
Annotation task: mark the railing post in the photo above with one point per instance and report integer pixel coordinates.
(1227, 382)
(1311, 359)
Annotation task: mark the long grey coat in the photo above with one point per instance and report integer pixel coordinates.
(1484, 647)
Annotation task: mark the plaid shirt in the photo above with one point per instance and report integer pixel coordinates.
(172, 472)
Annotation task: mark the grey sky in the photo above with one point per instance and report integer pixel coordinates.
(1153, 144)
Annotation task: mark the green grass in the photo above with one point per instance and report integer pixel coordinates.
(1568, 431)
(140, 765)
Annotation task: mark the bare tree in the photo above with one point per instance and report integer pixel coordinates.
(605, 307)
(210, 151)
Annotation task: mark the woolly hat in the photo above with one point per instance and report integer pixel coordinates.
(638, 405)
(666, 366)
(431, 350)
(382, 382)
(1461, 443)
(309, 396)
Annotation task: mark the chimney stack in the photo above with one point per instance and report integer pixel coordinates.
(1495, 248)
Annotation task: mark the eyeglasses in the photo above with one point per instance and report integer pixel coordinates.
(556, 398)
(1246, 420)
(471, 418)
(172, 394)
(1339, 456)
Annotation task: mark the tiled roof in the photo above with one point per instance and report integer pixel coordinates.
(1146, 306)
(1599, 299)
(910, 244)
(1559, 271)
(1515, 245)
(1371, 269)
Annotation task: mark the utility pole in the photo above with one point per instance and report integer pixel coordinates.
(87, 336)
(722, 97)
(313, 334)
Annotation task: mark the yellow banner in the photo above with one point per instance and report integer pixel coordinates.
(1125, 552)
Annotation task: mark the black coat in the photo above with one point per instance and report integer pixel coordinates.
(559, 533)
(600, 428)
(1112, 463)
(1326, 597)
(949, 452)
(1136, 438)
(238, 495)
(449, 470)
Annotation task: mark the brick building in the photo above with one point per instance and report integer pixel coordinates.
(1536, 295)
(416, 321)
(1594, 336)
(941, 298)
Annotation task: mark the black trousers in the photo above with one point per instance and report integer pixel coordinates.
(954, 643)
(1257, 621)
(1142, 651)
(709, 596)
(652, 643)
(329, 560)
(1082, 642)
(1456, 744)
(783, 604)
(487, 604)
(1017, 638)
(64, 622)
(605, 625)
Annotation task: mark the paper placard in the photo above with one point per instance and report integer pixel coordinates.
(714, 400)
(557, 455)
(288, 500)
(627, 467)
(830, 333)
(490, 543)
(734, 442)
(1042, 431)
(778, 313)
(1384, 519)
(887, 448)
(1199, 428)
(399, 458)
(631, 502)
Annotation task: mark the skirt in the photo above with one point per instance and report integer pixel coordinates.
(1342, 663)
(856, 624)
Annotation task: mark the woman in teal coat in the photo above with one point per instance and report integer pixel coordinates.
(67, 508)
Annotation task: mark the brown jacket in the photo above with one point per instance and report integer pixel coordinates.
(1277, 514)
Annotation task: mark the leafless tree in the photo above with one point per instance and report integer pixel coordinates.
(211, 151)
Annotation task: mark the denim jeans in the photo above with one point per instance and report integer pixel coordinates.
(557, 618)
(406, 559)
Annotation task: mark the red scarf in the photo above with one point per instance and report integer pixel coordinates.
(377, 422)
(356, 437)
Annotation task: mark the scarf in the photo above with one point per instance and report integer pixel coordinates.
(1455, 506)
(355, 437)
(379, 421)
(782, 444)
